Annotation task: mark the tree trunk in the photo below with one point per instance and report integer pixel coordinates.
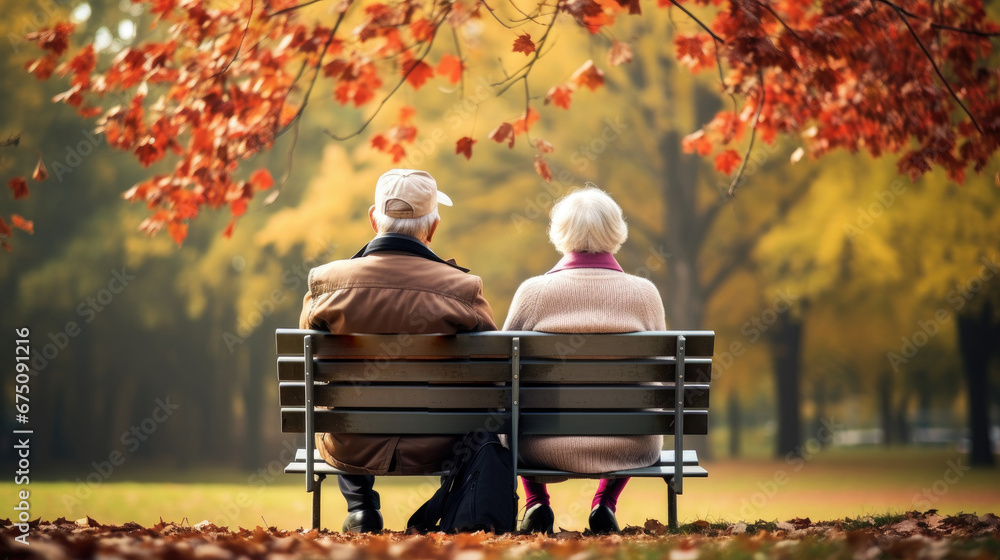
(975, 343)
(885, 409)
(786, 346)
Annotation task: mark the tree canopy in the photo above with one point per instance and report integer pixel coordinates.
(211, 85)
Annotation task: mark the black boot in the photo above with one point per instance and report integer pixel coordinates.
(602, 520)
(538, 519)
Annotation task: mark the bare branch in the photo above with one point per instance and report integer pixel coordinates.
(398, 85)
(293, 8)
(699, 22)
(13, 140)
(902, 17)
(741, 253)
(240, 46)
(903, 12)
(490, 10)
(753, 136)
(777, 17)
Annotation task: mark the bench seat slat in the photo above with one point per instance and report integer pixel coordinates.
(690, 456)
(348, 395)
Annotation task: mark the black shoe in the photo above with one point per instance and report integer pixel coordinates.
(602, 520)
(363, 521)
(538, 519)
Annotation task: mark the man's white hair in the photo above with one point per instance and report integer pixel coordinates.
(414, 227)
(587, 221)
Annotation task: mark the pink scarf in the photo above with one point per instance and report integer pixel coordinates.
(587, 260)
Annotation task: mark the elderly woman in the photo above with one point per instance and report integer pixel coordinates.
(586, 292)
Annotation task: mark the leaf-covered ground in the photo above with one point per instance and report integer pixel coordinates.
(913, 535)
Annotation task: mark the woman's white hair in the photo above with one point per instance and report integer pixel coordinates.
(587, 221)
(414, 227)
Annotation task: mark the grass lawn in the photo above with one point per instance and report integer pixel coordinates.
(834, 484)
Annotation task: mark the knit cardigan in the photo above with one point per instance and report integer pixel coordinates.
(587, 300)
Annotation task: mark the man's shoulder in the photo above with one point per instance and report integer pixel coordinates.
(400, 270)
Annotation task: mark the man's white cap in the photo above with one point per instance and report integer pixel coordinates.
(408, 193)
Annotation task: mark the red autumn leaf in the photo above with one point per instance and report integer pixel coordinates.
(503, 133)
(55, 40)
(238, 207)
(417, 72)
(524, 122)
(261, 179)
(727, 161)
(544, 146)
(380, 143)
(450, 67)
(464, 146)
(398, 153)
(22, 224)
(559, 95)
(588, 76)
(406, 113)
(542, 168)
(178, 231)
(228, 232)
(4, 228)
(20, 187)
(422, 30)
(524, 44)
(696, 142)
(620, 53)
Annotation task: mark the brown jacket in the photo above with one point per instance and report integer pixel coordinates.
(395, 284)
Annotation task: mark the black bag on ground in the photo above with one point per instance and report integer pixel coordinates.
(478, 495)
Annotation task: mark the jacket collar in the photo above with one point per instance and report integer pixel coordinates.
(587, 260)
(399, 243)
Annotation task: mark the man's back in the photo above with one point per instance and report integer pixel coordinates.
(394, 292)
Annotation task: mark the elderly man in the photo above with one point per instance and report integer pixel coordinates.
(394, 284)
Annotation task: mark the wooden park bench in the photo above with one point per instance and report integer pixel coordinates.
(506, 382)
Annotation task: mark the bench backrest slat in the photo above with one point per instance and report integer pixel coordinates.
(537, 423)
(570, 384)
(547, 397)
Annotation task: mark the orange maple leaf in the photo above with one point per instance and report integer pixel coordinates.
(261, 179)
(524, 122)
(588, 76)
(417, 72)
(178, 231)
(22, 224)
(524, 44)
(559, 95)
(450, 67)
(620, 53)
(464, 146)
(727, 161)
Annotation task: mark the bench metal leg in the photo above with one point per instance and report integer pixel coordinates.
(317, 499)
(671, 504)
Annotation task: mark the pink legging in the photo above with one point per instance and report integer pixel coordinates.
(607, 492)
